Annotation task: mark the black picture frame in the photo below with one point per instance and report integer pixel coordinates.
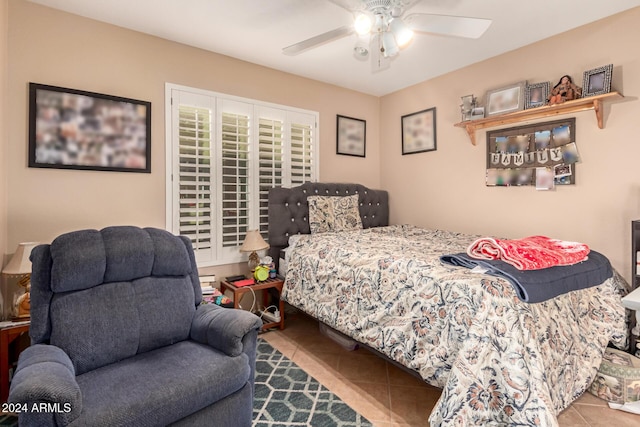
(419, 132)
(597, 81)
(351, 136)
(77, 129)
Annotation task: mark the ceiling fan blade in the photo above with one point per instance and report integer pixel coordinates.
(350, 5)
(459, 26)
(318, 40)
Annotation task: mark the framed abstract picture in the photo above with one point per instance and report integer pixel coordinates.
(419, 131)
(75, 129)
(351, 136)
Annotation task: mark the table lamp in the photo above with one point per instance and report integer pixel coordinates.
(253, 242)
(20, 266)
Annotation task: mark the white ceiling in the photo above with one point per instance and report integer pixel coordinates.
(257, 30)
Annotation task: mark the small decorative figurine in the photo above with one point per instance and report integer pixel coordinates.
(565, 90)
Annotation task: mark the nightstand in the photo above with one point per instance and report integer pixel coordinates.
(632, 302)
(239, 291)
(9, 332)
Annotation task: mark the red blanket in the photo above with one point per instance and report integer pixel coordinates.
(529, 253)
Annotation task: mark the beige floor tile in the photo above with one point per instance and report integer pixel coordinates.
(321, 366)
(598, 416)
(364, 368)
(571, 418)
(398, 376)
(368, 399)
(589, 399)
(387, 395)
(412, 405)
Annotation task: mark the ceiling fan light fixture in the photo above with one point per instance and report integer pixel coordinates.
(362, 24)
(389, 45)
(401, 32)
(361, 49)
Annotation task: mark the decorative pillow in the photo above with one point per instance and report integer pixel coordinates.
(346, 213)
(333, 213)
(618, 379)
(321, 217)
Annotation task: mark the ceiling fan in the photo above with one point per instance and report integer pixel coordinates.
(383, 29)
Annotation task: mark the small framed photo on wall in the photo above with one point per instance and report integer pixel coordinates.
(351, 136)
(419, 131)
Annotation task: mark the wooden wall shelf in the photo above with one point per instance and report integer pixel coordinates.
(569, 107)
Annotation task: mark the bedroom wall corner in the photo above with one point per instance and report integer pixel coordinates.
(446, 188)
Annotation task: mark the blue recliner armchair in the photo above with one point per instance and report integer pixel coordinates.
(119, 337)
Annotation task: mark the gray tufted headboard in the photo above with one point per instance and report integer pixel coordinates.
(289, 210)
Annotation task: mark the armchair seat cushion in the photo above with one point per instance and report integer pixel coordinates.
(134, 391)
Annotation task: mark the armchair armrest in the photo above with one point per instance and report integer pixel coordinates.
(44, 387)
(223, 328)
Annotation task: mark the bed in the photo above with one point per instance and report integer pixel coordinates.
(498, 360)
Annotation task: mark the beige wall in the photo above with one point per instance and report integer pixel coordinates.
(52, 47)
(56, 48)
(453, 196)
(4, 19)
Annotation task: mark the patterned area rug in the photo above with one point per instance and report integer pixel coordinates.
(287, 396)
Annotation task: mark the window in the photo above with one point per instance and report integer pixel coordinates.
(224, 153)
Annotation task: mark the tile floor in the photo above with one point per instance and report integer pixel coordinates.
(388, 396)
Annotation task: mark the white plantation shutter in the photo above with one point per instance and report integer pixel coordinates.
(271, 146)
(226, 153)
(270, 162)
(234, 177)
(193, 212)
(302, 162)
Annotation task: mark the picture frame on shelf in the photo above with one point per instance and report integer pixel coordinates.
(505, 99)
(77, 129)
(477, 113)
(536, 94)
(466, 108)
(351, 136)
(419, 131)
(597, 81)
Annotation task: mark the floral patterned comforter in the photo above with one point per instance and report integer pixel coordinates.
(499, 361)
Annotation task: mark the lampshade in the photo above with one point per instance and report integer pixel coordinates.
(401, 32)
(20, 263)
(362, 24)
(253, 241)
(389, 44)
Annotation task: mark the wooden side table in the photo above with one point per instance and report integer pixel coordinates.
(8, 334)
(239, 291)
